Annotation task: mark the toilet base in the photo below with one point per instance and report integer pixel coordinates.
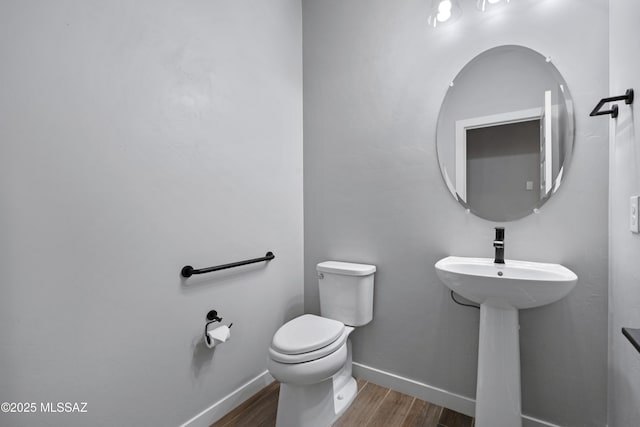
(320, 404)
(345, 397)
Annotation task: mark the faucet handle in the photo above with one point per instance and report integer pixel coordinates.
(500, 233)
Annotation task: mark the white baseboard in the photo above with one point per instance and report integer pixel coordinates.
(438, 396)
(225, 405)
(464, 405)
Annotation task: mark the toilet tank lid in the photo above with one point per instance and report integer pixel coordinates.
(346, 268)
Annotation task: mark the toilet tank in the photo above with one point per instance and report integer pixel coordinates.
(346, 291)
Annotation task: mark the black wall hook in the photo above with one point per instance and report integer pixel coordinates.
(627, 97)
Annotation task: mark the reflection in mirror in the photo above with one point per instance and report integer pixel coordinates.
(505, 133)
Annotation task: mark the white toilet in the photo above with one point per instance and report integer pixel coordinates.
(311, 355)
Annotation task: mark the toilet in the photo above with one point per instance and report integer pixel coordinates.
(311, 355)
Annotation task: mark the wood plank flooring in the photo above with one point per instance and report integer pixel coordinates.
(374, 406)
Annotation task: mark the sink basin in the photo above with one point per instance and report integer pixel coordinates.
(520, 284)
(501, 290)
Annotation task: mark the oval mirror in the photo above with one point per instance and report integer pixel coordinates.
(505, 133)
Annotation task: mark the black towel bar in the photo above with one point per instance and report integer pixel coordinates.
(633, 335)
(188, 271)
(627, 97)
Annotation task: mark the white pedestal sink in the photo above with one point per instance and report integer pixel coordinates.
(501, 290)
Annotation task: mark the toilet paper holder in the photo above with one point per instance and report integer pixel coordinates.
(212, 317)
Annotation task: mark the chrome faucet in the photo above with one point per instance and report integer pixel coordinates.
(498, 243)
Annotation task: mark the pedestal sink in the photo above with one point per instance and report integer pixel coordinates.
(501, 290)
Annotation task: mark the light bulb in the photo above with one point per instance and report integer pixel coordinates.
(443, 11)
(443, 16)
(444, 6)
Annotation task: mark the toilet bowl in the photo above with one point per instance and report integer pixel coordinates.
(316, 383)
(311, 355)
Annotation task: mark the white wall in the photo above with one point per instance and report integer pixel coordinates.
(135, 138)
(375, 76)
(624, 287)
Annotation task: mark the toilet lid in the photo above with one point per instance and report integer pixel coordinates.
(306, 333)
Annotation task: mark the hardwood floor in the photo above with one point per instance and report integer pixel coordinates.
(374, 406)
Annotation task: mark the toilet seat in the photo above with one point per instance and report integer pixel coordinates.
(311, 355)
(307, 338)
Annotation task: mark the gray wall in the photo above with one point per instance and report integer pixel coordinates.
(375, 76)
(624, 285)
(137, 137)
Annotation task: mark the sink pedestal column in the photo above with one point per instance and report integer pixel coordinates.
(498, 388)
